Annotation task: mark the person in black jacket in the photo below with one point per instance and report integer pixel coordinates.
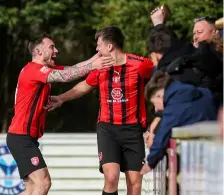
(205, 27)
(200, 66)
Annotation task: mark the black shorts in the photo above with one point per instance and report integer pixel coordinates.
(122, 144)
(26, 153)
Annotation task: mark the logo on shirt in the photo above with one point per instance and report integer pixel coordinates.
(35, 161)
(116, 79)
(117, 96)
(10, 182)
(44, 69)
(116, 93)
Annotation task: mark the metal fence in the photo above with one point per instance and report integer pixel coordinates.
(201, 159)
(201, 168)
(154, 183)
(195, 163)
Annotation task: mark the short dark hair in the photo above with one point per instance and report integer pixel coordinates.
(209, 19)
(36, 40)
(160, 40)
(113, 34)
(160, 80)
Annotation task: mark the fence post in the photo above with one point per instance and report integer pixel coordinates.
(172, 169)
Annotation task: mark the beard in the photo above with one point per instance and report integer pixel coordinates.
(49, 60)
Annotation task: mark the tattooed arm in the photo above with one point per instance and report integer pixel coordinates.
(69, 74)
(79, 70)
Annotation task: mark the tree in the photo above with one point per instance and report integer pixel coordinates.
(20, 20)
(73, 24)
(130, 16)
(184, 13)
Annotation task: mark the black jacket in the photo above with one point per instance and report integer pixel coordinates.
(200, 66)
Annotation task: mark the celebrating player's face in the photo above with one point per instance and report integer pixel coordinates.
(103, 47)
(48, 51)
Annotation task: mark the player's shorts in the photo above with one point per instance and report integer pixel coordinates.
(26, 153)
(122, 144)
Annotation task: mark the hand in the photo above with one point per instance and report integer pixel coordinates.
(145, 169)
(148, 138)
(195, 43)
(157, 16)
(96, 56)
(103, 62)
(54, 103)
(160, 14)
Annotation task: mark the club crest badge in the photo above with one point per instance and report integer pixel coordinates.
(116, 79)
(100, 156)
(35, 161)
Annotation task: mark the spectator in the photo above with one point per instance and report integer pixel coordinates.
(204, 27)
(186, 63)
(209, 60)
(182, 104)
(164, 46)
(199, 67)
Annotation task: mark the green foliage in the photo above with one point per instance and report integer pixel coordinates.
(185, 11)
(31, 13)
(130, 16)
(71, 19)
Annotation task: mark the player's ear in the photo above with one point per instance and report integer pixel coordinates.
(110, 47)
(37, 50)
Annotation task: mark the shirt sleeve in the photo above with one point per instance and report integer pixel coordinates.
(146, 68)
(92, 78)
(41, 74)
(162, 137)
(59, 67)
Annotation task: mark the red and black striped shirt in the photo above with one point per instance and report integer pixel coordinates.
(122, 90)
(31, 96)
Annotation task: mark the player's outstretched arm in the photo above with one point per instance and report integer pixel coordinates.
(93, 58)
(81, 69)
(77, 91)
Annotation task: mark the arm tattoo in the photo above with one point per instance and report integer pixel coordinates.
(69, 74)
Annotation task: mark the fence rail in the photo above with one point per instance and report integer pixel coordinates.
(201, 159)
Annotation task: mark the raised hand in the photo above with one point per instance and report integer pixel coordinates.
(160, 14)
